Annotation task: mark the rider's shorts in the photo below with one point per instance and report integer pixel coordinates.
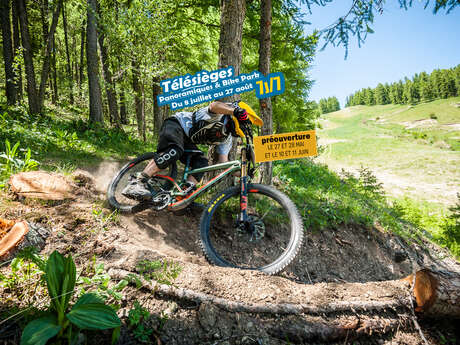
(171, 145)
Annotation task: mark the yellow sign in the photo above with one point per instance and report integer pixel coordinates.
(285, 146)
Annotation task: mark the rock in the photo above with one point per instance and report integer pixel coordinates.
(207, 316)
(399, 256)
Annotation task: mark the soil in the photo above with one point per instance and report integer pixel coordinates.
(334, 265)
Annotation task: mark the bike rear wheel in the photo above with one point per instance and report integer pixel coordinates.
(268, 243)
(121, 179)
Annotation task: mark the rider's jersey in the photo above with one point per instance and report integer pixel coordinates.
(185, 119)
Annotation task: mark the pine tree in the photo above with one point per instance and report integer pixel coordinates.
(381, 95)
(436, 79)
(323, 106)
(333, 104)
(457, 79)
(369, 98)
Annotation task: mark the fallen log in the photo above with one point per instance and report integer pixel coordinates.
(437, 293)
(266, 308)
(302, 331)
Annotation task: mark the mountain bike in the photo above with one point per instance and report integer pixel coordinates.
(248, 226)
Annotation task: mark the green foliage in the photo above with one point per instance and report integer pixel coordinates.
(328, 105)
(11, 163)
(25, 281)
(56, 137)
(163, 272)
(88, 313)
(422, 87)
(137, 317)
(327, 201)
(450, 235)
(96, 280)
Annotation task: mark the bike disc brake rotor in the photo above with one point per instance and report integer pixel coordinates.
(253, 230)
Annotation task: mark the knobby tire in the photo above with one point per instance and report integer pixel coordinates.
(218, 239)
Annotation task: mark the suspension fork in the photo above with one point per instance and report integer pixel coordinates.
(244, 187)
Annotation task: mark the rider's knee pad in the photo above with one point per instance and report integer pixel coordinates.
(167, 157)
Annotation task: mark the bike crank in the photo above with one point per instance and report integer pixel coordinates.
(161, 201)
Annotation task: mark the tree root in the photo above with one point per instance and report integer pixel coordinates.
(266, 308)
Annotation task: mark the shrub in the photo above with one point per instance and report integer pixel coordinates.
(11, 163)
(88, 313)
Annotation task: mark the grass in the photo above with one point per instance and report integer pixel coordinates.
(419, 165)
(375, 137)
(328, 200)
(61, 140)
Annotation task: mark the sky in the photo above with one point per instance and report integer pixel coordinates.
(404, 43)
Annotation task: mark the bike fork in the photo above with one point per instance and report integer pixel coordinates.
(244, 189)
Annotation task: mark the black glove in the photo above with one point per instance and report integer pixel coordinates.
(241, 114)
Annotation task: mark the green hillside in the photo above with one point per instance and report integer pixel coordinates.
(413, 150)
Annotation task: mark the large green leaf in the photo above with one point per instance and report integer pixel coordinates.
(88, 298)
(55, 277)
(93, 316)
(39, 331)
(71, 272)
(60, 278)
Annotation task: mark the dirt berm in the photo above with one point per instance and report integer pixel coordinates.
(343, 288)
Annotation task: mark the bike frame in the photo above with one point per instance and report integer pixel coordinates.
(247, 155)
(177, 192)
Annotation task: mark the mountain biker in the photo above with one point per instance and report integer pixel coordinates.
(210, 125)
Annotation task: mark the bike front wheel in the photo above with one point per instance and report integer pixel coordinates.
(268, 242)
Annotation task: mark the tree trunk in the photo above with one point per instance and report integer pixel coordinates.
(232, 13)
(138, 99)
(53, 71)
(11, 93)
(47, 55)
(69, 67)
(95, 99)
(32, 96)
(144, 119)
(16, 46)
(123, 117)
(264, 68)
(82, 57)
(328, 312)
(44, 19)
(157, 113)
(231, 34)
(109, 83)
(44, 11)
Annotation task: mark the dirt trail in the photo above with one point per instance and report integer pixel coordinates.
(333, 266)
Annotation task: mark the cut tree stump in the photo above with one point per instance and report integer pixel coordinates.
(19, 236)
(41, 185)
(437, 293)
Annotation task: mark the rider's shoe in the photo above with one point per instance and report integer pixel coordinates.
(138, 188)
